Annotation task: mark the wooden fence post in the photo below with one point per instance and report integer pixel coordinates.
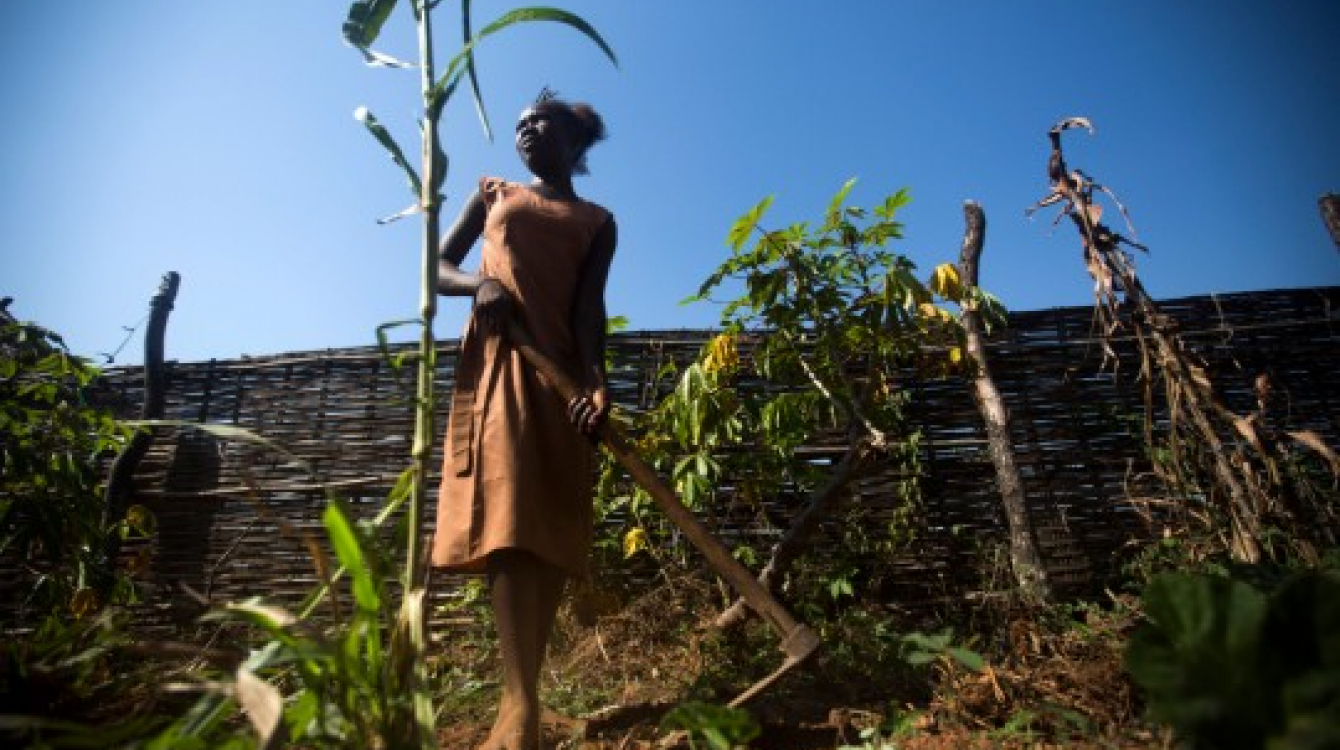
(1025, 560)
(1330, 215)
(122, 473)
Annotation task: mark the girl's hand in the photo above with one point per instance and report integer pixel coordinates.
(588, 411)
(493, 306)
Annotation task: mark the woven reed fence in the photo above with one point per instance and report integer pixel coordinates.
(236, 519)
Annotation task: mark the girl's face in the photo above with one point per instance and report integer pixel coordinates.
(544, 141)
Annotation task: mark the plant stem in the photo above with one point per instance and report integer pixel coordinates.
(426, 402)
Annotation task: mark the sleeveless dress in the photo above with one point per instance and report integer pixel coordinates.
(516, 474)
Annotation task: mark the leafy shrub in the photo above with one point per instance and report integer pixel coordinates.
(51, 503)
(1228, 665)
(721, 727)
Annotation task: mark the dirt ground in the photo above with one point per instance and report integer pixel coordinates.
(640, 732)
(610, 682)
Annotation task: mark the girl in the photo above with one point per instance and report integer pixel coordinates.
(515, 500)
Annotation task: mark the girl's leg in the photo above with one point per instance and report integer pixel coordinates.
(525, 592)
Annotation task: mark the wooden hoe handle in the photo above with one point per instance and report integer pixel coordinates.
(798, 641)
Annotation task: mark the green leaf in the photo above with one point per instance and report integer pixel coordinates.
(459, 65)
(744, 226)
(383, 137)
(920, 658)
(537, 13)
(365, 20)
(968, 658)
(890, 206)
(835, 206)
(364, 24)
(723, 727)
(344, 538)
(303, 712)
(1199, 659)
(471, 72)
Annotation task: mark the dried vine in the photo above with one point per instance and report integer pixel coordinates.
(1241, 469)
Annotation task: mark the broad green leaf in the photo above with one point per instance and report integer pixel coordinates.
(363, 644)
(303, 712)
(744, 226)
(1199, 658)
(344, 539)
(404, 484)
(383, 137)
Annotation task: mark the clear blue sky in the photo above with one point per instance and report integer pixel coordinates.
(215, 138)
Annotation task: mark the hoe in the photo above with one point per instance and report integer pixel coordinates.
(798, 642)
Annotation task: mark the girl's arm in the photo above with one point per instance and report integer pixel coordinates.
(588, 324)
(492, 305)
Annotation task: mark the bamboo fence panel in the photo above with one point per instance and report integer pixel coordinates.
(238, 519)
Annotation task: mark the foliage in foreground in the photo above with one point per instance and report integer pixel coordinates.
(51, 506)
(63, 653)
(1230, 665)
(348, 686)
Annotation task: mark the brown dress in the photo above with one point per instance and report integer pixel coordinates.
(516, 473)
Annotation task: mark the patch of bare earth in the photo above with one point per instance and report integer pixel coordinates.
(611, 681)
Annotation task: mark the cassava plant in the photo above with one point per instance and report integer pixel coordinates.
(51, 520)
(828, 322)
(63, 658)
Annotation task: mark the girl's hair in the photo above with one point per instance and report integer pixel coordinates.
(587, 123)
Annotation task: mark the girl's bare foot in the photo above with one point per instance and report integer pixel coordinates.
(516, 728)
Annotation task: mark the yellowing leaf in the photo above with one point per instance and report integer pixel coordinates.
(955, 355)
(945, 281)
(721, 354)
(140, 519)
(931, 312)
(634, 541)
(83, 603)
(140, 562)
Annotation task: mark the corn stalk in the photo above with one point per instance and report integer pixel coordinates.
(361, 30)
(1239, 465)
